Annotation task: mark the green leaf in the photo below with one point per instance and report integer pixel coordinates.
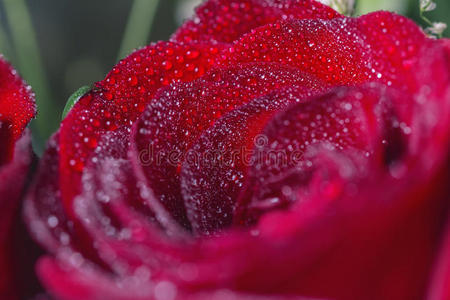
(73, 99)
(139, 26)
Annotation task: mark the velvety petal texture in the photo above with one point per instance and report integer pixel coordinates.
(12, 182)
(215, 169)
(272, 149)
(440, 286)
(16, 110)
(194, 107)
(226, 21)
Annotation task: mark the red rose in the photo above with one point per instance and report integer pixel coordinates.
(270, 149)
(16, 110)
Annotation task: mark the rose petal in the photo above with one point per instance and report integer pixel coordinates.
(426, 118)
(7, 142)
(17, 108)
(388, 244)
(44, 213)
(440, 284)
(381, 46)
(393, 237)
(126, 233)
(393, 234)
(116, 102)
(73, 282)
(446, 44)
(225, 21)
(43, 209)
(83, 238)
(17, 105)
(112, 149)
(215, 167)
(347, 118)
(13, 177)
(353, 244)
(174, 120)
(68, 283)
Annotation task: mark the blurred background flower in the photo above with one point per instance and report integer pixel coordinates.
(61, 45)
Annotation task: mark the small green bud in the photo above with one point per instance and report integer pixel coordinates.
(73, 99)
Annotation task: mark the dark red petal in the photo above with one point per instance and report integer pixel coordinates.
(389, 250)
(119, 185)
(427, 117)
(396, 44)
(439, 288)
(44, 214)
(13, 177)
(106, 208)
(17, 108)
(116, 102)
(124, 229)
(446, 44)
(216, 166)
(347, 118)
(343, 241)
(47, 219)
(112, 149)
(379, 47)
(226, 21)
(178, 116)
(353, 234)
(7, 143)
(73, 283)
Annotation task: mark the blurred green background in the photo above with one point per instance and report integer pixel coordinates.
(61, 45)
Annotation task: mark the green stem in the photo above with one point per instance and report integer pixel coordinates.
(30, 64)
(422, 16)
(429, 23)
(139, 25)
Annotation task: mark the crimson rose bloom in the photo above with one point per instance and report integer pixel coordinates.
(16, 110)
(271, 149)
